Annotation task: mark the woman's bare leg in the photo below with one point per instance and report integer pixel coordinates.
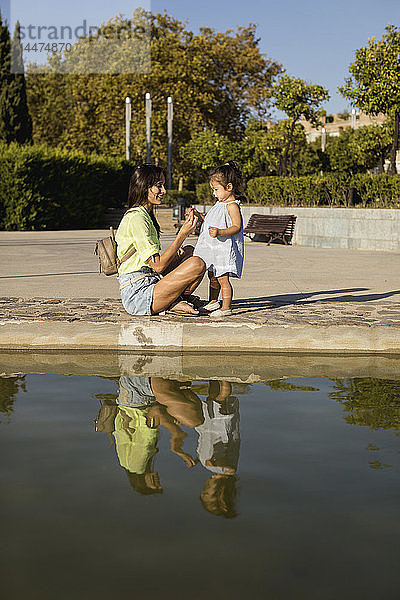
(214, 288)
(179, 259)
(170, 287)
(226, 291)
(182, 405)
(187, 252)
(190, 288)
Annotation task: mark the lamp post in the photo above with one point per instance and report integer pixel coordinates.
(323, 139)
(148, 127)
(170, 116)
(353, 118)
(128, 118)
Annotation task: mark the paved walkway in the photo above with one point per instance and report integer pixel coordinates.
(290, 299)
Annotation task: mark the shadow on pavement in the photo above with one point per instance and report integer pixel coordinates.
(346, 295)
(49, 274)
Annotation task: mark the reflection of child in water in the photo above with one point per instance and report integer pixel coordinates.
(219, 495)
(218, 448)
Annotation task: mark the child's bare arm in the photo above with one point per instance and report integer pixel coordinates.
(225, 391)
(236, 217)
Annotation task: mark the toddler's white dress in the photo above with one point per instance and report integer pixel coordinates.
(221, 254)
(219, 437)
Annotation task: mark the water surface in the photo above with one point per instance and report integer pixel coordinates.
(198, 489)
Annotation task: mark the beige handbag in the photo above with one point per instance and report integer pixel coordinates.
(106, 250)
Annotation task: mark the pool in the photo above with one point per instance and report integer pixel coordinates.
(146, 487)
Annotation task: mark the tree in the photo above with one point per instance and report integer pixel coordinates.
(20, 119)
(9, 388)
(357, 151)
(297, 98)
(371, 145)
(309, 159)
(282, 385)
(5, 67)
(15, 121)
(5, 53)
(374, 82)
(369, 402)
(340, 155)
(263, 149)
(255, 157)
(216, 81)
(207, 149)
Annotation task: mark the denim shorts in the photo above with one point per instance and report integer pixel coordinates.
(135, 392)
(137, 295)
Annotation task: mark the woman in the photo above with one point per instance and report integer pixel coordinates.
(143, 290)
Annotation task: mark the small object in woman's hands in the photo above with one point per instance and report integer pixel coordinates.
(189, 224)
(213, 231)
(198, 215)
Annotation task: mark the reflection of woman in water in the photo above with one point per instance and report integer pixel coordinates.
(135, 440)
(218, 448)
(144, 404)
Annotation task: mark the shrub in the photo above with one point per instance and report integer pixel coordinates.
(332, 189)
(48, 188)
(173, 195)
(379, 191)
(204, 194)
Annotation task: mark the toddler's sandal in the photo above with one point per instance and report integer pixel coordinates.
(220, 314)
(212, 306)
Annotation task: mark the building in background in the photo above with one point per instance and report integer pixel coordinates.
(332, 125)
(337, 121)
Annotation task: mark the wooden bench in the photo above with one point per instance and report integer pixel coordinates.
(273, 227)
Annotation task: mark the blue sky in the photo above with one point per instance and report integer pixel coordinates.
(314, 40)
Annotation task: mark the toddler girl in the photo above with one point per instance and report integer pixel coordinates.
(220, 242)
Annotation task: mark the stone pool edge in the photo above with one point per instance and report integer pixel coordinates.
(163, 335)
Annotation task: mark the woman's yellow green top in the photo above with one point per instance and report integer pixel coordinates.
(135, 441)
(136, 230)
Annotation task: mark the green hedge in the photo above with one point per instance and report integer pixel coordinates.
(204, 194)
(173, 195)
(362, 190)
(48, 188)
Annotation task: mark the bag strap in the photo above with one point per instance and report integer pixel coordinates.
(130, 253)
(127, 255)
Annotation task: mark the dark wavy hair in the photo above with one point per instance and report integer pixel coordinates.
(138, 483)
(144, 177)
(228, 173)
(219, 495)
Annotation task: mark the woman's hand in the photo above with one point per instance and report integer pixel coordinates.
(153, 417)
(213, 231)
(198, 215)
(190, 223)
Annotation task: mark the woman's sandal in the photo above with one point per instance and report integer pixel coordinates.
(195, 301)
(181, 313)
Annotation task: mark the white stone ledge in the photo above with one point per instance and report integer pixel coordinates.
(190, 336)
